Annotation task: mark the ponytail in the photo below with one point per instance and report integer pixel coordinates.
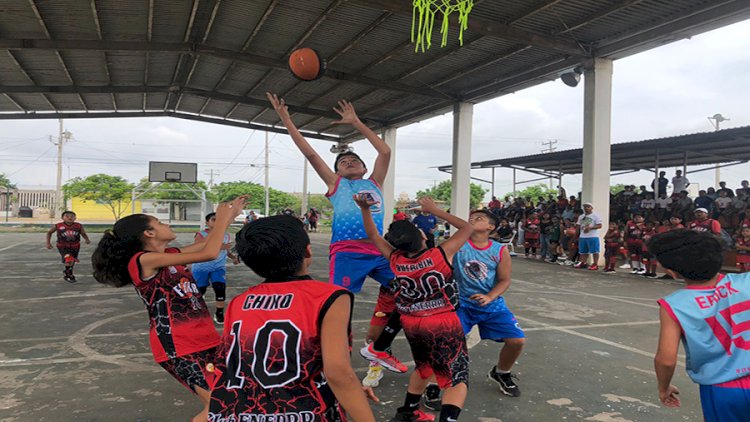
(116, 248)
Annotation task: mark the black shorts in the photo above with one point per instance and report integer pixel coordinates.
(68, 250)
(438, 345)
(190, 370)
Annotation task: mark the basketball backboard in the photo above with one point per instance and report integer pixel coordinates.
(160, 171)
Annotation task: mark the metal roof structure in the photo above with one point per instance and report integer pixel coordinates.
(727, 146)
(213, 60)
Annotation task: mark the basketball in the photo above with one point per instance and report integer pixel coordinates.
(305, 64)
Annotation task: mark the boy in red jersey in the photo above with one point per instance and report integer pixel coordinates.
(634, 241)
(426, 299)
(286, 343)
(742, 245)
(612, 244)
(648, 259)
(69, 234)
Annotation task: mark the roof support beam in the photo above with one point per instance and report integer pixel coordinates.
(494, 29)
(546, 4)
(251, 59)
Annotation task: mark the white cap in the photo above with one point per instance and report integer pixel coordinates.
(701, 210)
(589, 204)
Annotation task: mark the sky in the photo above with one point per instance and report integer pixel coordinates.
(667, 91)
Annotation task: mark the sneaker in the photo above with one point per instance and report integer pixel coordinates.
(609, 271)
(505, 381)
(431, 398)
(594, 268)
(625, 265)
(386, 359)
(650, 275)
(635, 271)
(580, 265)
(666, 277)
(219, 317)
(641, 271)
(414, 416)
(70, 278)
(569, 263)
(374, 375)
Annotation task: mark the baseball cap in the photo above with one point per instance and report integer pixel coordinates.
(701, 210)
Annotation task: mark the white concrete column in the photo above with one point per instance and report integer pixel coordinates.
(461, 164)
(597, 114)
(389, 184)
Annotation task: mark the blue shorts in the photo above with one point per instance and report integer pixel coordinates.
(587, 245)
(204, 278)
(349, 270)
(725, 404)
(497, 324)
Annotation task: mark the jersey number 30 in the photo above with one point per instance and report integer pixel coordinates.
(262, 358)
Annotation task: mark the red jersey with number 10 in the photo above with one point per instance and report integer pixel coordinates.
(425, 283)
(270, 363)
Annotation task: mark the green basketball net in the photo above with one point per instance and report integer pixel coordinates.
(423, 18)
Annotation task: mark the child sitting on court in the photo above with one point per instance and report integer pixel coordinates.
(482, 269)
(709, 316)
(285, 348)
(182, 336)
(69, 234)
(214, 272)
(426, 300)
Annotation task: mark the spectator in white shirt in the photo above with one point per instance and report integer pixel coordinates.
(679, 182)
(648, 205)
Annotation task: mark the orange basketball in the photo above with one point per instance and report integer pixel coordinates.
(306, 64)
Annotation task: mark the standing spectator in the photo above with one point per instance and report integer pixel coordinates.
(545, 229)
(400, 215)
(648, 206)
(588, 240)
(723, 188)
(704, 201)
(679, 182)
(312, 219)
(663, 203)
(426, 222)
(659, 184)
(684, 205)
(711, 192)
(722, 202)
(742, 245)
(745, 186)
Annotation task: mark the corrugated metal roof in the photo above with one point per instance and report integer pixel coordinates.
(214, 60)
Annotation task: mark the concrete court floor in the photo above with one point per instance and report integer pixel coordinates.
(79, 352)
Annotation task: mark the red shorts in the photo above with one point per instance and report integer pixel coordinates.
(438, 345)
(384, 308)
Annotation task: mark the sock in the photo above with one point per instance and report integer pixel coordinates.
(385, 339)
(449, 413)
(500, 371)
(219, 311)
(411, 403)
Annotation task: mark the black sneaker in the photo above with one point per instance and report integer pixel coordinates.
(666, 277)
(219, 317)
(431, 398)
(505, 381)
(69, 278)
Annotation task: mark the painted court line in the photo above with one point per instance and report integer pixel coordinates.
(572, 327)
(616, 299)
(14, 245)
(73, 296)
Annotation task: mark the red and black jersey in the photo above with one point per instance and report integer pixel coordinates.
(708, 225)
(647, 235)
(180, 322)
(634, 231)
(612, 238)
(741, 241)
(425, 283)
(270, 362)
(531, 228)
(68, 235)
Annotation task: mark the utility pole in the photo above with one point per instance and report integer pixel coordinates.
(211, 173)
(304, 190)
(266, 170)
(63, 136)
(716, 120)
(550, 148)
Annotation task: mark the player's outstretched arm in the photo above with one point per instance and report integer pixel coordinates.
(49, 236)
(349, 116)
(317, 163)
(665, 360)
(462, 235)
(85, 235)
(364, 203)
(337, 367)
(200, 252)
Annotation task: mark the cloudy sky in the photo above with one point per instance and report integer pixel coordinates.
(663, 92)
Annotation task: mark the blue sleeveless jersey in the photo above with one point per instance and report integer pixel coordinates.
(219, 262)
(475, 271)
(715, 325)
(347, 217)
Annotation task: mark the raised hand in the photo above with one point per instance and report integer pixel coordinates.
(427, 204)
(364, 200)
(347, 113)
(279, 105)
(231, 209)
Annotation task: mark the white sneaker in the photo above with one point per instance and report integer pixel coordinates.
(625, 265)
(374, 375)
(641, 271)
(635, 271)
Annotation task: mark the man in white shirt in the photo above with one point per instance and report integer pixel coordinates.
(588, 240)
(679, 182)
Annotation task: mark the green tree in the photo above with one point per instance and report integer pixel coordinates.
(442, 192)
(276, 199)
(314, 200)
(171, 190)
(5, 182)
(535, 192)
(615, 189)
(112, 191)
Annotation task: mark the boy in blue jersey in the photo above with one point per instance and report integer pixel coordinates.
(352, 256)
(711, 316)
(214, 272)
(482, 269)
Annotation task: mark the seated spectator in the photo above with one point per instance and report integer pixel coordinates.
(505, 231)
